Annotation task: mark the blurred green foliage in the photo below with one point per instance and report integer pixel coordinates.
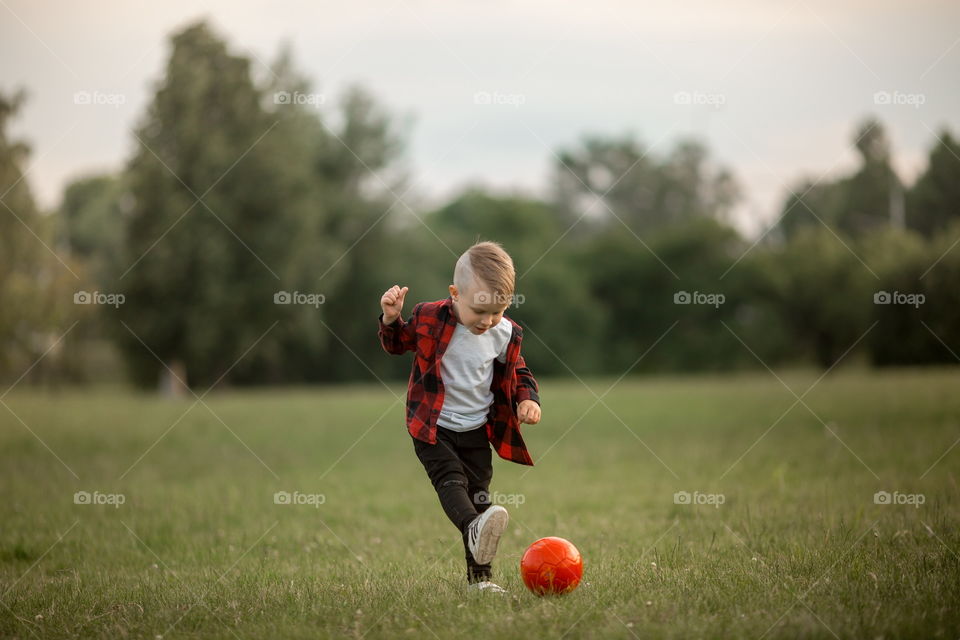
(241, 190)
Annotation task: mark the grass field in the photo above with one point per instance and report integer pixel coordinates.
(199, 549)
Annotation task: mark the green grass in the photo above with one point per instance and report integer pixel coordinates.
(200, 550)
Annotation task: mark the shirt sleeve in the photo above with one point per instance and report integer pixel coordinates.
(399, 336)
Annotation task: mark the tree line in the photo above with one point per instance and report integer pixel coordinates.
(249, 236)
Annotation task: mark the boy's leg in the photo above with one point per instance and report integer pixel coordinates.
(446, 471)
(477, 460)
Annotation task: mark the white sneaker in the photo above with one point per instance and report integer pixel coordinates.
(483, 534)
(486, 587)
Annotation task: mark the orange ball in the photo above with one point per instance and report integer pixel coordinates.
(551, 565)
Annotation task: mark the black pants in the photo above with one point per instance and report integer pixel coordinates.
(460, 467)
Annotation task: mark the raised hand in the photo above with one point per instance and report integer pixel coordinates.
(392, 303)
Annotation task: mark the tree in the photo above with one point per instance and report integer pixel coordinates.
(359, 197)
(918, 321)
(92, 224)
(854, 205)
(648, 293)
(872, 194)
(36, 286)
(202, 275)
(821, 292)
(934, 201)
(290, 206)
(608, 177)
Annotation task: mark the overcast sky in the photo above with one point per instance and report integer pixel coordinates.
(776, 88)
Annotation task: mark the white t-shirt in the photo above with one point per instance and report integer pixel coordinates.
(466, 369)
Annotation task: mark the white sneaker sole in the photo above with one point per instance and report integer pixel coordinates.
(486, 587)
(490, 536)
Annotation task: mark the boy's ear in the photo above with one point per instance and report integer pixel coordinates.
(453, 291)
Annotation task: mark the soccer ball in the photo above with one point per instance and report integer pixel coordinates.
(551, 565)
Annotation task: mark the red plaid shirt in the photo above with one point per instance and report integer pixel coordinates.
(428, 332)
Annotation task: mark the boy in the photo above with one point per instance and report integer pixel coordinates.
(469, 388)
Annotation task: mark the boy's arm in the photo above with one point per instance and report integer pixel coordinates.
(396, 336)
(527, 387)
(399, 336)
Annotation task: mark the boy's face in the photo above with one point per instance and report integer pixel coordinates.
(477, 308)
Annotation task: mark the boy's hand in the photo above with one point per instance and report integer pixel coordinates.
(392, 303)
(528, 411)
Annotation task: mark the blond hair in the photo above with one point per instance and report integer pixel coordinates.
(486, 263)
